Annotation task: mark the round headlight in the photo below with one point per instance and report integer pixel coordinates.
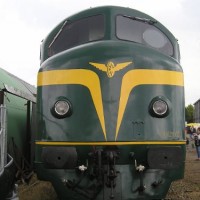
(62, 108)
(160, 107)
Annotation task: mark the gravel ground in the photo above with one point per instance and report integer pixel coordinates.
(187, 188)
(37, 190)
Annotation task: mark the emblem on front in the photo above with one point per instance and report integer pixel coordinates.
(110, 68)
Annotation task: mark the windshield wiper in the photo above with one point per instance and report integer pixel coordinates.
(148, 21)
(58, 33)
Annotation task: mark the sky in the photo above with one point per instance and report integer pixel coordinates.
(24, 23)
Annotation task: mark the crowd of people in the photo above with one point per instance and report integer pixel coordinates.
(194, 135)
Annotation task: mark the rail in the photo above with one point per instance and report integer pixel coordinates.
(3, 138)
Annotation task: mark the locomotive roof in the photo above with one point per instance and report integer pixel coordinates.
(116, 10)
(110, 13)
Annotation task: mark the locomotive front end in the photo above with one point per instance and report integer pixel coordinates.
(110, 107)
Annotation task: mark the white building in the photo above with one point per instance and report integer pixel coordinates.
(197, 111)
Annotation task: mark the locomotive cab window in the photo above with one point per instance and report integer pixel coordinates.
(143, 31)
(76, 33)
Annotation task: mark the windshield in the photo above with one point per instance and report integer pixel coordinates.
(142, 31)
(76, 33)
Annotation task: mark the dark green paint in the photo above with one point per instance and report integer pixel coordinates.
(137, 123)
(18, 137)
(129, 177)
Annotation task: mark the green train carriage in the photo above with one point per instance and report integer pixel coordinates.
(17, 99)
(110, 107)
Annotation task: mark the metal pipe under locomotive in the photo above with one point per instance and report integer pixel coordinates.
(110, 107)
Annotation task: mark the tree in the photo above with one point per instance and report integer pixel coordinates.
(189, 113)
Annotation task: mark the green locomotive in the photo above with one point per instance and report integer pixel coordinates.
(110, 107)
(17, 98)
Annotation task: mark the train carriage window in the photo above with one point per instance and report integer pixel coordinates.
(77, 33)
(144, 32)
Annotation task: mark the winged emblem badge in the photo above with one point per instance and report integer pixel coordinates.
(110, 68)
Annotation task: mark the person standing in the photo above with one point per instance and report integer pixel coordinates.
(192, 131)
(197, 142)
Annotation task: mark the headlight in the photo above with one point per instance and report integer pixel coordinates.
(61, 109)
(159, 107)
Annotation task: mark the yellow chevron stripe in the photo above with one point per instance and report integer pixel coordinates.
(56, 143)
(83, 77)
(134, 78)
(130, 80)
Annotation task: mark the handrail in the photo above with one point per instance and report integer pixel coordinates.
(3, 138)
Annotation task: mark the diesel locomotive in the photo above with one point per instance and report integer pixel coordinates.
(110, 107)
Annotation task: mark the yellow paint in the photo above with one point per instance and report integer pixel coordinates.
(83, 77)
(56, 143)
(130, 80)
(134, 78)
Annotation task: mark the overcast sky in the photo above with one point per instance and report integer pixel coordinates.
(24, 23)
